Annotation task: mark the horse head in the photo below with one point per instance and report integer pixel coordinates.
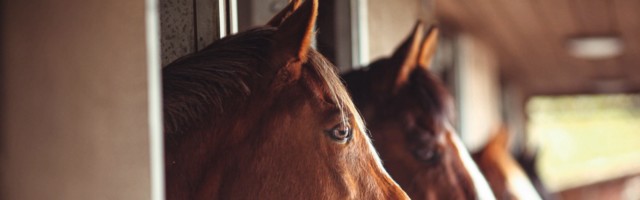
(261, 115)
(409, 113)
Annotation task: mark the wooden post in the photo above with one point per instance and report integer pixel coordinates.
(75, 100)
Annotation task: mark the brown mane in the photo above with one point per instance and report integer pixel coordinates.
(197, 86)
(434, 98)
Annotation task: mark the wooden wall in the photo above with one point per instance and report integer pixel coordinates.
(75, 103)
(391, 21)
(531, 41)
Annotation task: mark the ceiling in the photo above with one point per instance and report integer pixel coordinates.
(530, 40)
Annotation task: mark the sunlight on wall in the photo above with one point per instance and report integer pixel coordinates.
(479, 92)
(585, 139)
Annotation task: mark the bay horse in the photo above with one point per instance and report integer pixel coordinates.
(507, 178)
(261, 115)
(409, 114)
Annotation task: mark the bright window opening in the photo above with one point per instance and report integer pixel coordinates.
(585, 139)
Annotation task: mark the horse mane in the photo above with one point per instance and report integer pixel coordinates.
(201, 87)
(196, 87)
(422, 85)
(331, 84)
(432, 94)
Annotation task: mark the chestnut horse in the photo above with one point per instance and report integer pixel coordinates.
(507, 178)
(260, 115)
(409, 114)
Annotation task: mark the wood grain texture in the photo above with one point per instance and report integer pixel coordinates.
(530, 39)
(594, 16)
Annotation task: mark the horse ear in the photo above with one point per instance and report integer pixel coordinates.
(500, 138)
(293, 38)
(282, 15)
(428, 48)
(406, 56)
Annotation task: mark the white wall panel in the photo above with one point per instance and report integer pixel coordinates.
(75, 106)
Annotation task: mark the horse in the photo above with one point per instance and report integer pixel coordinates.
(409, 114)
(507, 178)
(261, 115)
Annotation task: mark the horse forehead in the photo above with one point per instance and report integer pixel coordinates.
(415, 115)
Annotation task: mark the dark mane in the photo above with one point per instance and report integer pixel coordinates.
(195, 86)
(426, 88)
(432, 95)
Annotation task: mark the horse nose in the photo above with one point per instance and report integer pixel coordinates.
(387, 188)
(397, 193)
(480, 184)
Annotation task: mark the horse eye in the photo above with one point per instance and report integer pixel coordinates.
(340, 133)
(427, 156)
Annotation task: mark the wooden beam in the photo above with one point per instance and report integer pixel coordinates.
(560, 24)
(594, 16)
(498, 27)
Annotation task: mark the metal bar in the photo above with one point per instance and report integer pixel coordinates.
(156, 149)
(222, 18)
(360, 34)
(233, 16)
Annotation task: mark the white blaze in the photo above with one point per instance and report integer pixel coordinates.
(480, 184)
